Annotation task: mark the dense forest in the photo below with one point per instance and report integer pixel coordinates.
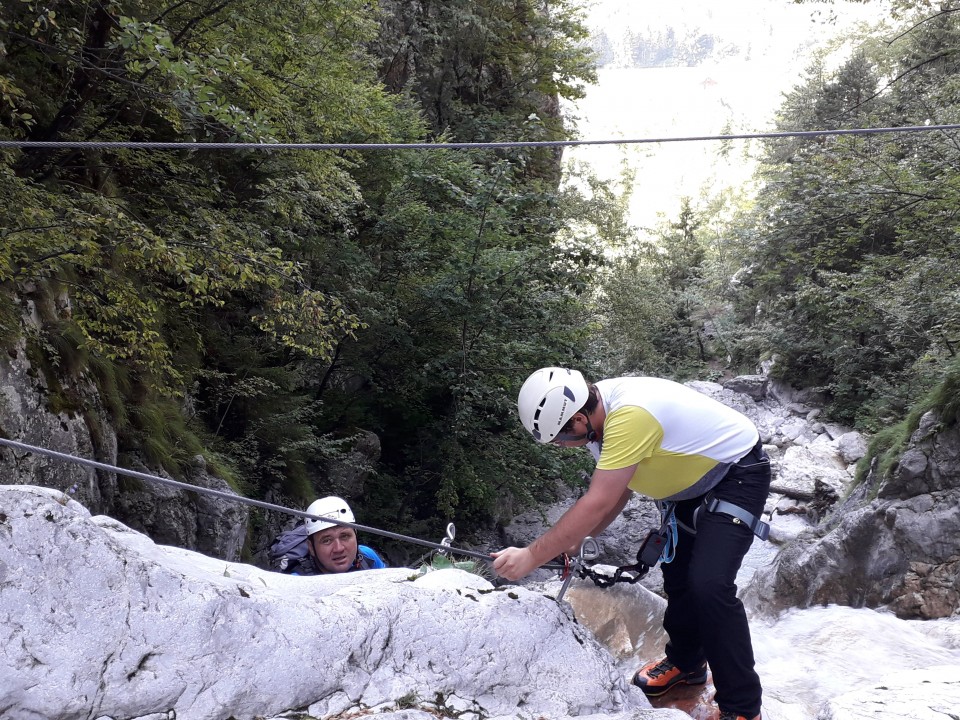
(271, 308)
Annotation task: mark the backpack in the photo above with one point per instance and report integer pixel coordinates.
(288, 550)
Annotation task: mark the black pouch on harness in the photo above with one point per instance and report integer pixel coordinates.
(652, 547)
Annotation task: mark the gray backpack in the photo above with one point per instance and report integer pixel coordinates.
(288, 550)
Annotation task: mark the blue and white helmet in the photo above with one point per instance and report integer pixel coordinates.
(549, 398)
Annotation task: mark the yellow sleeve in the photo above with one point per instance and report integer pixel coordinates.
(630, 434)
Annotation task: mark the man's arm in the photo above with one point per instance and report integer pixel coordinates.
(605, 523)
(611, 516)
(607, 495)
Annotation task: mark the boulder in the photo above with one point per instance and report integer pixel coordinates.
(754, 386)
(894, 542)
(98, 621)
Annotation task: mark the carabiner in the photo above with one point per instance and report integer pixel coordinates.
(589, 551)
(448, 540)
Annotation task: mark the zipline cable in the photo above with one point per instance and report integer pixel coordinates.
(118, 144)
(248, 501)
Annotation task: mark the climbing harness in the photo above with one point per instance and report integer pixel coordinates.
(711, 504)
(660, 544)
(444, 546)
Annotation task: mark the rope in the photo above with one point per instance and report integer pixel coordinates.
(247, 501)
(669, 519)
(106, 145)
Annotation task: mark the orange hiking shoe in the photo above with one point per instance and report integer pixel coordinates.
(727, 715)
(657, 677)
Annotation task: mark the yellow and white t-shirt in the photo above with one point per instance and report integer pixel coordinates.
(683, 441)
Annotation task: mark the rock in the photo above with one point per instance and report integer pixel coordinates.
(170, 515)
(625, 618)
(754, 386)
(98, 621)
(929, 591)
(346, 475)
(175, 516)
(25, 417)
(930, 463)
(802, 467)
(852, 446)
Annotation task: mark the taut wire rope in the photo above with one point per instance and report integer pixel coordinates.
(147, 145)
(247, 501)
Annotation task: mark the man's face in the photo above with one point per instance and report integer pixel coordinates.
(576, 429)
(335, 548)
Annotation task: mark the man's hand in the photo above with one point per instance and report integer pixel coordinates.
(603, 501)
(513, 563)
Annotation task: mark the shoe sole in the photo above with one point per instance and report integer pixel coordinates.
(663, 691)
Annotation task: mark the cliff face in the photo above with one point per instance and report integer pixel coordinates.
(899, 549)
(25, 416)
(209, 525)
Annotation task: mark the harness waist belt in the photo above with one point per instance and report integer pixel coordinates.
(756, 525)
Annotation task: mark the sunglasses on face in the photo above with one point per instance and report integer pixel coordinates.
(565, 437)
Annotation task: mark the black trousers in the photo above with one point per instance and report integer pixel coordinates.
(704, 618)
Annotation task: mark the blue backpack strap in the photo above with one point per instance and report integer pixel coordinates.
(369, 560)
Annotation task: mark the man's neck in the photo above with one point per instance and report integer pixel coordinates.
(597, 418)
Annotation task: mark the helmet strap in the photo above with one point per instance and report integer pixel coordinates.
(591, 433)
(590, 436)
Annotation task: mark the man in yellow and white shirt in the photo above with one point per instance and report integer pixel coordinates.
(671, 443)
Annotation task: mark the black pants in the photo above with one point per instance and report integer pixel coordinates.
(704, 618)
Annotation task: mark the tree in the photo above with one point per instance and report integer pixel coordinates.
(852, 282)
(291, 299)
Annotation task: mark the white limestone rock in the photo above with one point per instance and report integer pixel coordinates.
(802, 467)
(96, 621)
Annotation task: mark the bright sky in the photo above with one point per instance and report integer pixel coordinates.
(736, 95)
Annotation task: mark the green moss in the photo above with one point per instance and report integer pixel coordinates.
(164, 436)
(297, 486)
(67, 346)
(945, 398)
(41, 366)
(127, 484)
(888, 445)
(113, 382)
(10, 326)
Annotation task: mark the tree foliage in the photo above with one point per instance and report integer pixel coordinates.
(287, 300)
(854, 238)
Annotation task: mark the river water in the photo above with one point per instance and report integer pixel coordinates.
(804, 656)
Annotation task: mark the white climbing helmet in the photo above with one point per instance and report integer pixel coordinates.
(331, 507)
(549, 398)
